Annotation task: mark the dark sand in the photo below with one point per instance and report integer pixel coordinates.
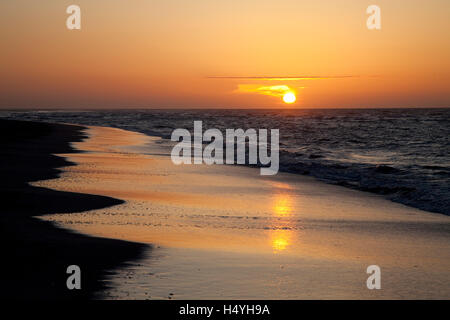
(36, 254)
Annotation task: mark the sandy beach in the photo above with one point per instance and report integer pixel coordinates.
(225, 232)
(36, 254)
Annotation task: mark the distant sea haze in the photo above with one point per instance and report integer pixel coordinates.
(402, 154)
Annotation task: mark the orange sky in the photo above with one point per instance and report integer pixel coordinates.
(211, 53)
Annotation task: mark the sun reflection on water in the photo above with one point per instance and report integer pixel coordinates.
(282, 205)
(281, 232)
(280, 239)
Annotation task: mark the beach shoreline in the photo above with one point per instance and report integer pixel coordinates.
(340, 147)
(318, 239)
(217, 237)
(37, 253)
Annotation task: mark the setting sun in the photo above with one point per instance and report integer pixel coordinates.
(289, 97)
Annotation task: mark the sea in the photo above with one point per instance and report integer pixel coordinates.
(401, 154)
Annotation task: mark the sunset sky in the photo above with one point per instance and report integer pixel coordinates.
(224, 53)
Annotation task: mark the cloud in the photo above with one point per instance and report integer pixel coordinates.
(280, 78)
(276, 91)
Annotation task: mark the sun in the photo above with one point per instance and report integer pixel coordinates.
(289, 97)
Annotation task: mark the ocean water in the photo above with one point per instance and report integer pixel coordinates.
(402, 154)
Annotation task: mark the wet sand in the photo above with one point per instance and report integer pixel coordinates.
(227, 232)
